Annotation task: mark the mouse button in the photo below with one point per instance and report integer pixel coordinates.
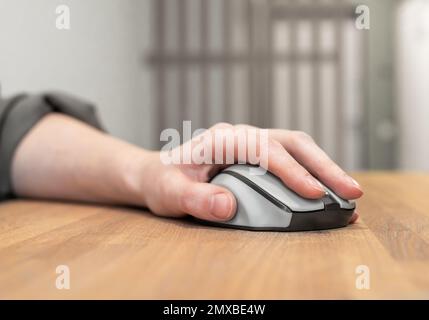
(275, 187)
(330, 203)
(245, 170)
(344, 204)
(253, 210)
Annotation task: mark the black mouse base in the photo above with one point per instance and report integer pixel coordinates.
(300, 221)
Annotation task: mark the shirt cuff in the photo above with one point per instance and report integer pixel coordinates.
(22, 112)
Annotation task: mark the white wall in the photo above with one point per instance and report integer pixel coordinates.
(98, 59)
(413, 84)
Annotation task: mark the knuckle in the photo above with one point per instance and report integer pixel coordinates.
(301, 136)
(274, 145)
(294, 173)
(328, 167)
(184, 200)
(244, 126)
(295, 167)
(241, 125)
(222, 125)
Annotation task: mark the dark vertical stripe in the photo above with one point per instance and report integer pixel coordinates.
(251, 93)
(293, 75)
(316, 62)
(339, 92)
(259, 78)
(365, 136)
(159, 43)
(269, 66)
(227, 74)
(256, 69)
(204, 121)
(183, 97)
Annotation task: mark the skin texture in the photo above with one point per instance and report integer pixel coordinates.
(63, 158)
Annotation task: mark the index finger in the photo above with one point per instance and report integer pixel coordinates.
(316, 161)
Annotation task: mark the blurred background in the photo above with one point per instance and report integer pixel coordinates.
(303, 65)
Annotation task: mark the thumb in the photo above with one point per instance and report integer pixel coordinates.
(208, 202)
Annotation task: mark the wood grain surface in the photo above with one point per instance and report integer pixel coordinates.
(117, 252)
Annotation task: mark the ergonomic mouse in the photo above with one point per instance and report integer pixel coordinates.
(265, 203)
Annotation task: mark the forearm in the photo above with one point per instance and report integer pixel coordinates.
(62, 158)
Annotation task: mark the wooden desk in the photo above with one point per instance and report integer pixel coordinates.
(127, 253)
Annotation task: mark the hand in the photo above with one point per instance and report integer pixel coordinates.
(180, 189)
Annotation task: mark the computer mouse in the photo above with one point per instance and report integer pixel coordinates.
(265, 203)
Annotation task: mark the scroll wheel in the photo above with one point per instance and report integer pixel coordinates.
(330, 202)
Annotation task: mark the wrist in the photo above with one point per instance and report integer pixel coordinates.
(138, 176)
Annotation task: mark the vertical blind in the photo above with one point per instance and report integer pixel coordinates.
(289, 64)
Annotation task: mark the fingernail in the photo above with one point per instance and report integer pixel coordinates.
(221, 206)
(354, 182)
(315, 184)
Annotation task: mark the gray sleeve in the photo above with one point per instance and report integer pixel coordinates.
(20, 113)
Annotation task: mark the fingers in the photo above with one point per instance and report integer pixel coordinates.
(296, 177)
(181, 195)
(174, 193)
(271, 155)
(354, 217)
(278, 160)
(208, 202)
(294, 166)
(316, 161)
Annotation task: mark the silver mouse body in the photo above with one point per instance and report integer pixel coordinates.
(265, 203)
